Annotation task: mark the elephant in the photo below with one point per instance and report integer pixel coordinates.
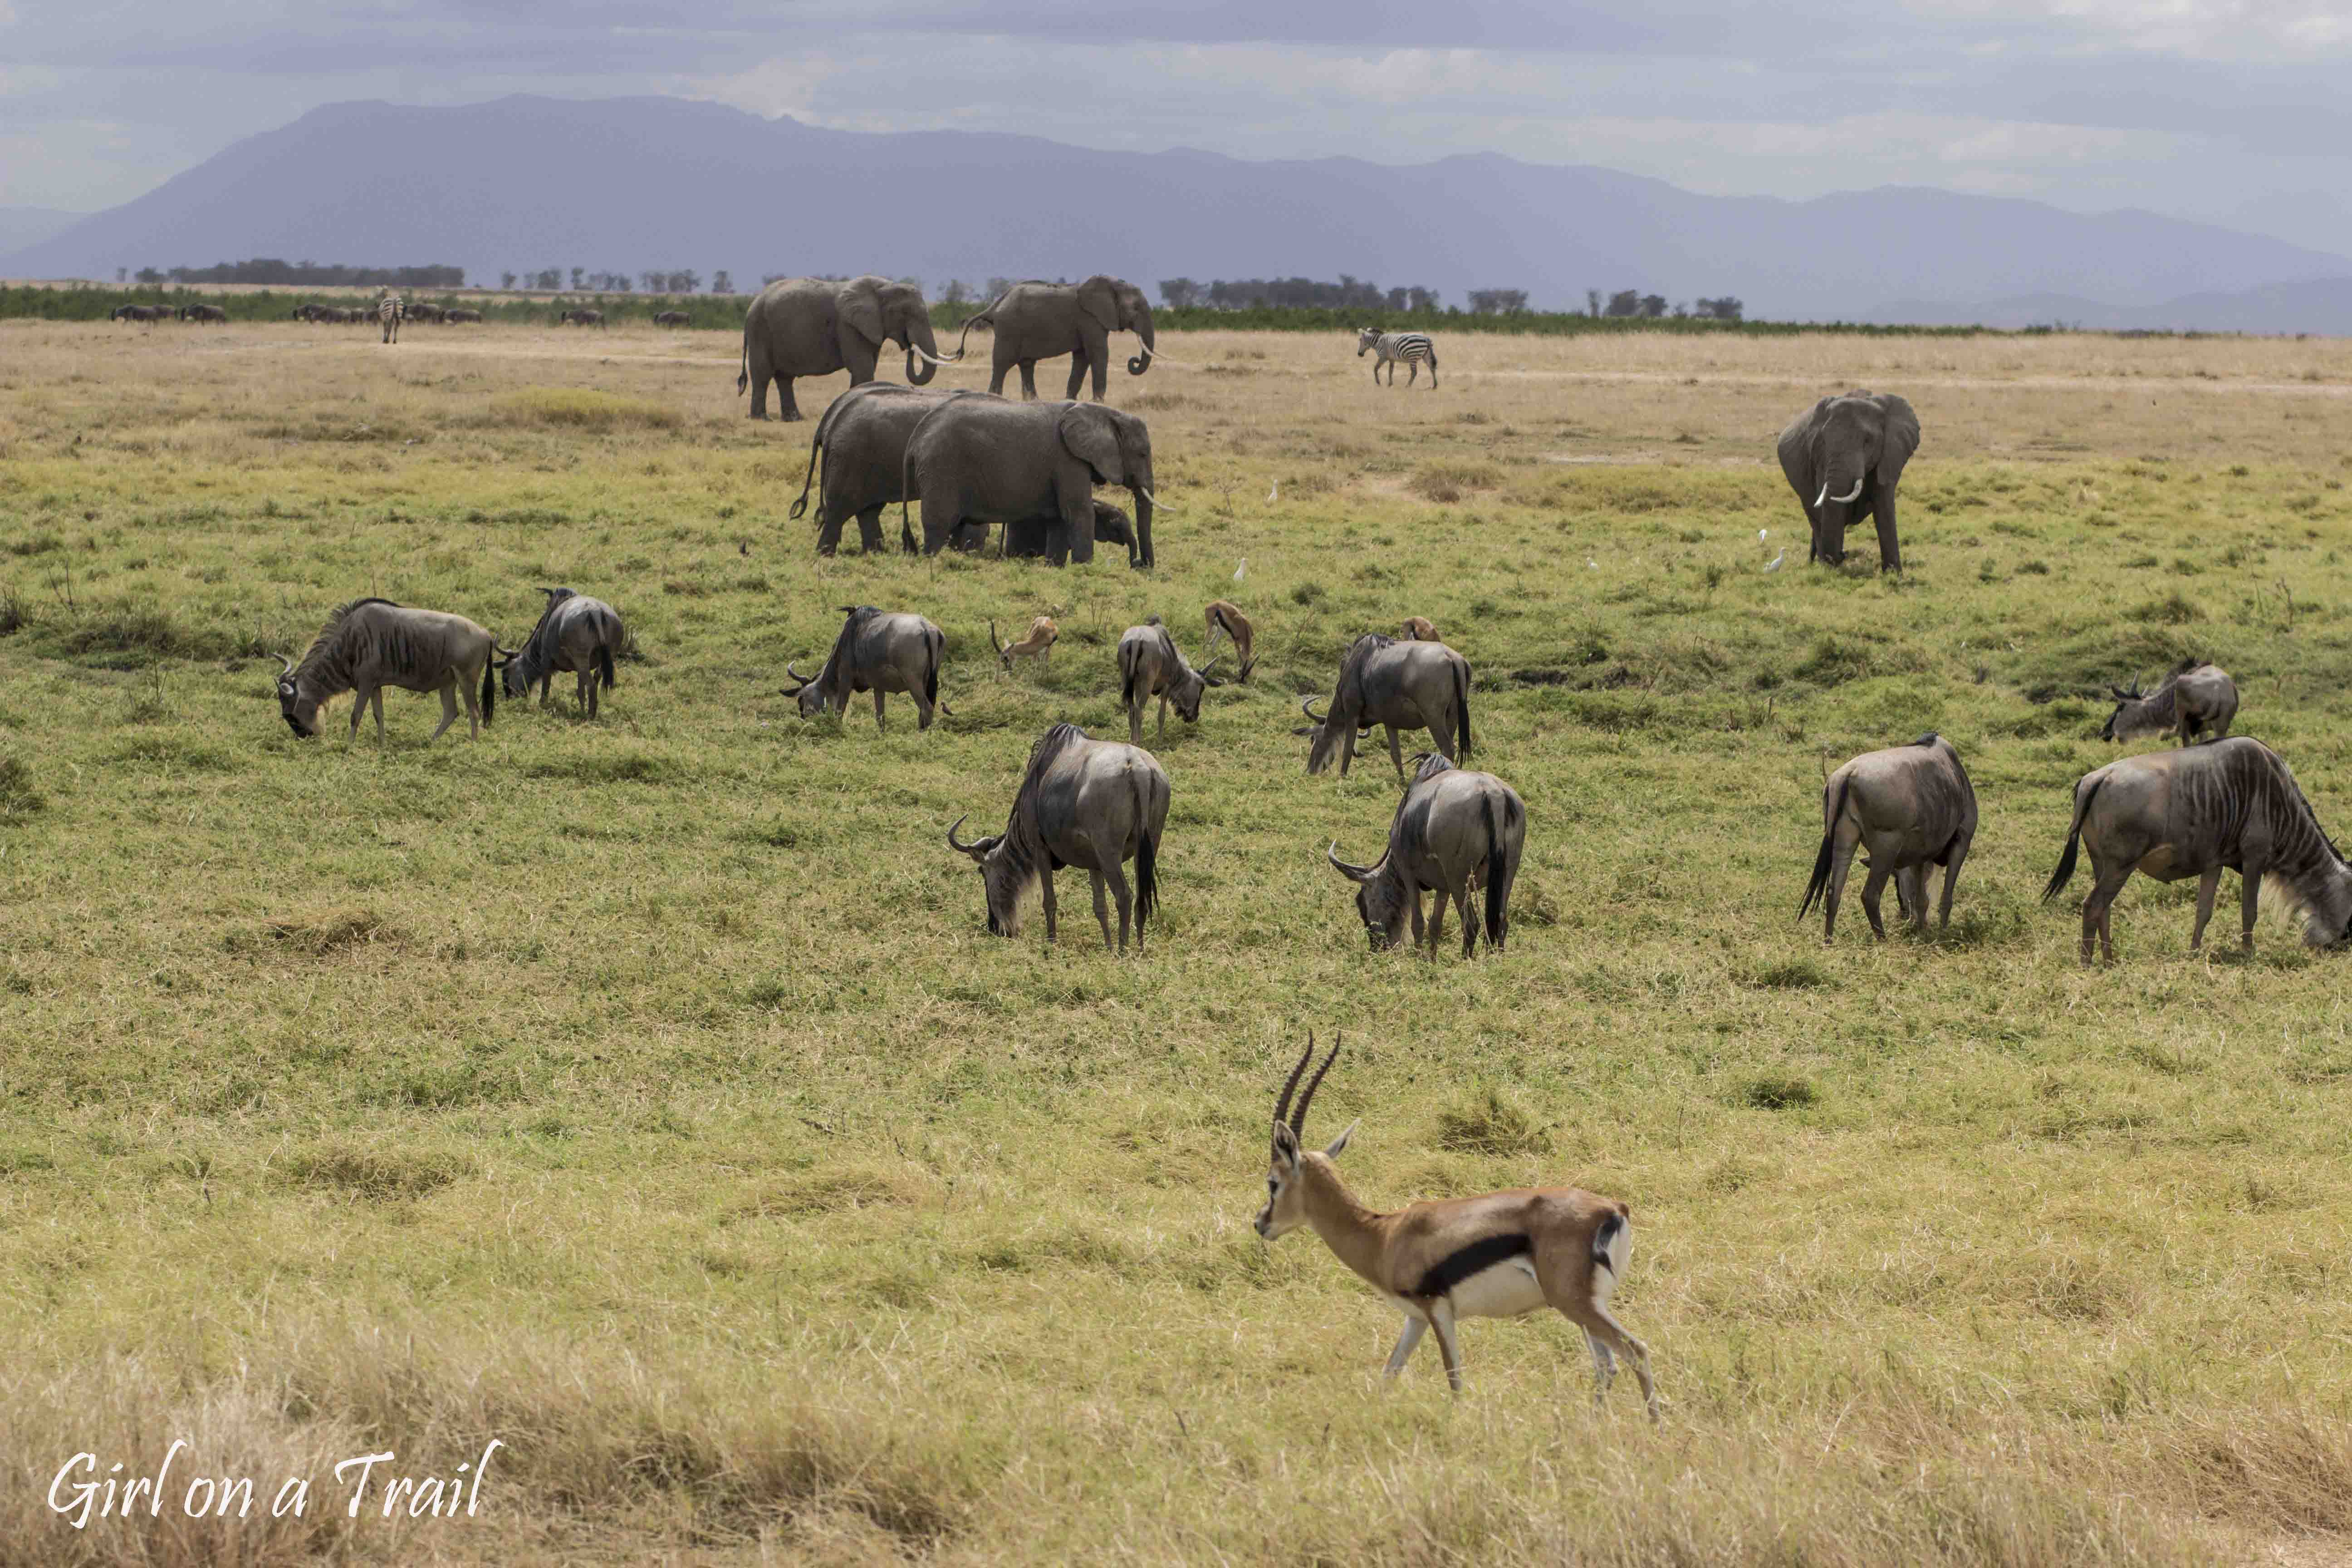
(1843, 457)
(863, 436)
(1035, 535)
(813, 326)
(1044, 321)
(980, 460)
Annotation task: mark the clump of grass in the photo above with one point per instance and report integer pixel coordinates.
(626, 767)
(17, 797)
(583, 408)
(1449, 482)
(1778, 1091)
(2175, 609)
(331, 930)
(12, 613)
(1488, 1123)
(378, 1176)
(1789, 974)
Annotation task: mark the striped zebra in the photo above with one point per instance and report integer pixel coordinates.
(389, 309)
(1411, 347)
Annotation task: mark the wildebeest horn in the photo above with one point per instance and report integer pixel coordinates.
(796, 674)
(1307, 706)
(1298, 1115)
(978, 848)
(1353, 873)
(511, 654)
(1282, 1104)
(1849, 495)
(287, 663)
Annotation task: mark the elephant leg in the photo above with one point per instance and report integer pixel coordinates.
(1000, 364)
(939, 517)
(828, 531)
(786, 409)
(1029, 381)
(1890, 548)
(869, 530)
(1079, 377)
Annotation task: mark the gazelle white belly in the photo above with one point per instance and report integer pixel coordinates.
(1506, 1290)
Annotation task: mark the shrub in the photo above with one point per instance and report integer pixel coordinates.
(584, 408)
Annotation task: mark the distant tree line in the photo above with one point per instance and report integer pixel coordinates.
(653, 280)
(1350, 293)
(1631, 304)
(307, 274)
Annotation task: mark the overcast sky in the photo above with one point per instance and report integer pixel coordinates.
(2233, 113)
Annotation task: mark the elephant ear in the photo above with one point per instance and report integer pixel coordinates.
(1086, 431)
(859, 303)
(1901, 438)
(1098, 298)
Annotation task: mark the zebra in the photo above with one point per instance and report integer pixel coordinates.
(389, 309)
(1411, 347)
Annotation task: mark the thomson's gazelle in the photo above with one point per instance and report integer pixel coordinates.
(1495, 1256)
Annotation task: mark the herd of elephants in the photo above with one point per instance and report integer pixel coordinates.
(970, 459)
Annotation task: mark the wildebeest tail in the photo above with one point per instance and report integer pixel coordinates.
(1820, 884)
(1147, 858)
(1498, 872)
(2065, 872)
(938, 642)
(489, 689)
(605, 664)
(1462, 705)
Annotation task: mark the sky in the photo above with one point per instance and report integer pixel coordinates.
(2232, 112)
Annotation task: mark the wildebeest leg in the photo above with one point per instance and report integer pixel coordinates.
(924, 709)
(2111, 880)
(1841, 851)
(583, 701)
(2207, 886)
(1912, 884)
(1046, 893)
(1102, 909)
(877, 712)
(546, 685)
(2250, 889)
(1120, 890)
(1396, 752)
(1437, 918)
(1873, 887)
(448, 713)
(1413, 902)
(1959, 852)
(1162, 731)
(1469, 918)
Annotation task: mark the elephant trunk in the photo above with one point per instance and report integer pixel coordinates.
(1139, 553)
(1142, 362)
(922, 352)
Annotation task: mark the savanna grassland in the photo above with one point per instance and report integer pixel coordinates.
(649, 1095)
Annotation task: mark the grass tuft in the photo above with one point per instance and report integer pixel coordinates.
(1489, 1123)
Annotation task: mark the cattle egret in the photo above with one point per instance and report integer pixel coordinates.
(1270, 490)
(1240, 569)
(1774, 564)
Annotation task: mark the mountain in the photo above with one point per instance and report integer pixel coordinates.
(21, 226)
(639, 183)
(2321, 306)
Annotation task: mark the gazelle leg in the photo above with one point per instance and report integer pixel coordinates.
(1635, 1352)
(1406, 1344)
(1440, 1318)
(1604, 1367)
(2207, 886)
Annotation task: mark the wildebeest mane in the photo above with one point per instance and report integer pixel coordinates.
(540, 647)
(858, 614)
(1025, 847)
(332, 655)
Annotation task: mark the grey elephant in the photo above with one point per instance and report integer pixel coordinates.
(981, 461)
(1843, 457)
(1045, 321)
(814, 326)
(862, 438)
(1035, 535)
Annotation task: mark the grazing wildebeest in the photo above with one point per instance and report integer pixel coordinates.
(1418, 628)
(1453, 830)
(1090, 804)
(2192, 811)
(1038, 644)
(875, 652)
(581, 319)
(576, 634)
(1226, 620)
(671, 319)
(455, 317)
(203, 313)
(369, 644)
(1402, 685)
(2195, 696)
(1912, 807)
(1150, 666)
(133, 313)
(420, 311)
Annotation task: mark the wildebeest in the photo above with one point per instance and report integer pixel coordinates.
(1453, 830)
(1418, 628)
(134, 313)
(1402, 685)
(1226, 620)
(581, 319)
(1150, 665)
(2192, 811)
(1038, 642)
(1090, 804)
(203, 313)
(369, 644)
(422, 310)
(576, 634)
(1912, 807)
(878, 652)
(455, 317)
(671, 319)
(2195, 696)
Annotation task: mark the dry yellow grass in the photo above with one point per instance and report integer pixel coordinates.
(648, 1095)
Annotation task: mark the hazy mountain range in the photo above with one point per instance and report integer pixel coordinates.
(626, 184)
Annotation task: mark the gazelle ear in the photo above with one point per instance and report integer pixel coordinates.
(1333, 1150)
(1285, 1143)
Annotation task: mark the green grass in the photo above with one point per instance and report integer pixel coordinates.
(649, 1093)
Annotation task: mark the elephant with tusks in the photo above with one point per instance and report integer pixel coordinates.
(976, 460)
(1843, 457)
(1045, 321)
(815, 326)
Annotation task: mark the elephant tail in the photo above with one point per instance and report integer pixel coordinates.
(988, 316)
(743, 375)
(816, 444)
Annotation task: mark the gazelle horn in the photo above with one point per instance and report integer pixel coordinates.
(1298, 1117)
(1282, 1105)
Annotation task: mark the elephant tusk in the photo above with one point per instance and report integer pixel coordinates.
(1157, 503)
(918, 348)
(1849, 495)
(1823, 496)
